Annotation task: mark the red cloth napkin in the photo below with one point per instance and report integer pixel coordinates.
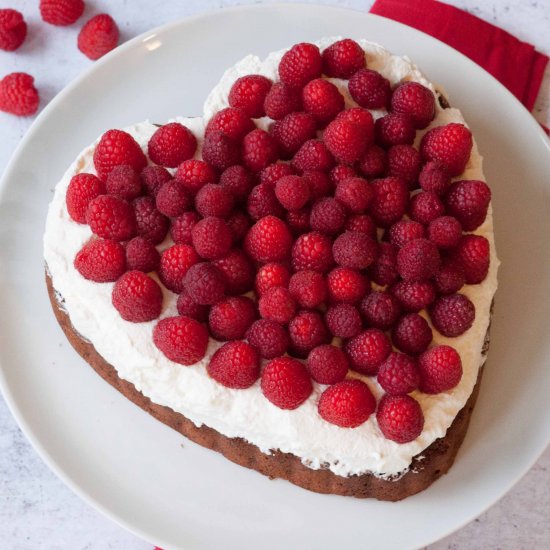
(514, 63)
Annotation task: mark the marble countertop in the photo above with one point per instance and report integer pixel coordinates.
(36, 509)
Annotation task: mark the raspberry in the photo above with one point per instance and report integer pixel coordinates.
(211, 238)
(362, 223)
(152, 178)
(355, 194)
(418, 260)
(343, 321)
(354, 250)
(259, 149)
(137, 297)
(293, 131)
(272, 173)
(270, 276)
(172, 199)
(248, 93)
(398, 374)
(300, 64)
(238, 271)
(141, 255)
(363, 119)
(181, 227)
(181, 339)
(150, 223)
(308, 288)
(368, 350)
(307, 331)
(234, 123)
(390, 200)
(171, 144)
(98, 36)
(340, 173)
(238, 181)
(292, 192)
(188, 308)
(404, 231)
(83, 188)
(445, 232)
(313, 155)
(230, 318)
(434, 177)
(175, 262)
(282, 100)
(61, 12)
(415, 100)
(380, 309)
(239, 223)
(400, 418)
(440, 369)
(268, 337)
(412, 334)
(450, 145)
(404, 162)
(394, 129)
(219, 150)
(327, 216)
(452, 315)
(312, 251)
(327, 364)
(298, 221)
(123, 182)
(205, 283)
(263, 202)
(268, 240)
(213, 200)
(277, 304)
(468, 201)
(286, 383)
(449, 279)
(101, 261)
(346, 140)
(319, 184)
(473, 256)
(414, 295)
(343, 58)
(373, 163)
(347, 285)
(384, 269)
(13, 30)
(426, 207)
(117, 147)
(235, 365)
(322, 99)
(18, 96)
(370, 89)
(193, 174)
(111, 218)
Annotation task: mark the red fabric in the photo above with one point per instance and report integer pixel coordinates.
(514, 63)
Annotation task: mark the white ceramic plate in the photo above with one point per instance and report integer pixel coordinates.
(173, 492)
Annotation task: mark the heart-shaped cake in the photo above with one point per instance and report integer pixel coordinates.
(301, 279)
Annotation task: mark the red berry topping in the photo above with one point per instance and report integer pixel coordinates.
(394, 129)
(368, 350)
(370, 89)
(282, 100)
(239, 223)
(354, 250)
(193, 174)
(426, 207)
(445, 232)
(188, 308)
(268, 240)
(18, 96)
(440, 369)
(308, 288)
(205, 283)
(235, 365)
(141, 255)
(389, 203)
(384, 269)
(322, 99)
(414, 295)
(347, 285)
(404, 231)
(400, 418)
(219, 150)
(117, 147)
(361, 117)
(234, 123)
(398, 374)
(298, 221)
(137, 297)
(307, 331)
(312, 251)
(270, 276)
(171, 144)
(230, 318)
(268, 337)
(313, 156)
(83, 188)
(415, 100)
(238, 181)
(380, 309)
(172, 199)
(102, 261)
(111, 218)
(238, 271)
(450, 145)
(263, 202)
(248, 93)
(343, 58)
(181, 339)
(449, 279)
(98, 36)
(123, 182)
(150, 223)
(340, 173)
(434, 177)
(211, 238)
(61, 12)
(327, 364)
(327, 216)
(418, 260)
(13, 30)
(468, 201)
(355, 194)
(373, 163)
(343, 320)
(213, 200)
(346, 140)
(300, 64)
(277, 304)
(181, 227)
(412, 334)
(473, 256)
(347, 404)
(272, 173)
(292, 192)
(404, 162)
(293, 131)
(452, 315)
(153, 177)
(319, 183)
(259, 149)
(362, 223)
(286, 383)
(174, 264)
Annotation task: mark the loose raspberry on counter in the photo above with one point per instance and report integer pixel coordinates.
(362, 223)
(370, 89)
(173, 199)
(188, 308)
(220, 151)
(384, 269)
(327, 216)
(137, 297)
(286, 383)
(272, 173)
(150, 223)
(293, 131)
(319, 184)
(473, 256)
(101, 261)
(292, 192)
(468, 201)
(182, 226)
(400, 418)
(214, 200)
(141, 255)
(152, 178)
(308, 288)
(445, 232)
(347, 285)
(98, 36)
(412, 334)
(193, 174)
(312, 251)
(355, 194)
(268, 240)
(111, 218)
(271, 275)
(354, 250)
(343, 58)
(440, 369)
(277, 304)
(434, 177)
(234, 123)
(390, 200)
(235, 365)
(248, 93)
(82, 189)
(124, 182)
(259, 150)
(340, 173)
(414, 295)
(171, 144)
(368, 350)
(426, 207)
(394, 129)
(403, 231)
(322, 99)
(404, 162)
(300, 64)
(231, 317)
(398, 374)
(346, 140)
(374, 162)
(380, 309)
(415, 100)
(307, 331)
(175, 261)
(238, 181)
(268, 337)
(13, 29)
(313, 155)
(418, 260)
(61, 12)
(449, 279)
(205, 283)
(181, 339)
(282, 100)
(18, 96)
(343, 320)
(347, 404)
(452, 315)
(327, 364)
(211, 238)
(238, 271)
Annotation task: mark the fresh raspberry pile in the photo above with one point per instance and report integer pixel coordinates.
(309, 245)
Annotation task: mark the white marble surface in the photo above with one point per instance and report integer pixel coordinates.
(36, 510)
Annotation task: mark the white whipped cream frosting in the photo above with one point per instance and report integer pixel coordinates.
(129, 347)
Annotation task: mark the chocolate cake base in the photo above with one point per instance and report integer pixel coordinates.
(426, 467)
